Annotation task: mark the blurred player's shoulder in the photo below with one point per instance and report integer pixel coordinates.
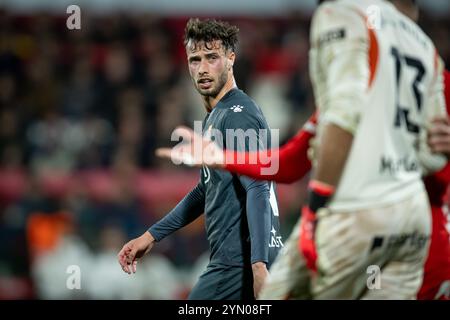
(382, 14)
(336, 20)
(346, 19)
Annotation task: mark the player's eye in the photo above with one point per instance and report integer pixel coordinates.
(194, 60)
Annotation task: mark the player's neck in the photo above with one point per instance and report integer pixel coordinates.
(408, 10)
(211, 102)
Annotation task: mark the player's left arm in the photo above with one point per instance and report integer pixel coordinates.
(258, 206)
(259, 213)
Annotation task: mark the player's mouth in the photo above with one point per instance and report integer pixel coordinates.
(205, 83)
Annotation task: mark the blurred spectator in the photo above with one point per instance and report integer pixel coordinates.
(104, 279)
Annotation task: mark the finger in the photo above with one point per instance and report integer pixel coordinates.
(164, 153)
(130, 256)
(439, 139)
(124, 268)
(121, 258)
(443, 120)
(127, 265)
(134, 266)
(440, 148)
(123, 265)
(178, 155)
(439, 129)
(124, 255)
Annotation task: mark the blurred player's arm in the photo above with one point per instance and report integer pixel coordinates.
(340, 72)
(292, 157)
(439, 135)
(439, 138)
(187, 210)
(434, 141)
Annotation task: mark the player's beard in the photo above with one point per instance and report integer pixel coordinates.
(214, 91)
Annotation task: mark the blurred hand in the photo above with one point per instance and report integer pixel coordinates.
(307, 244)
(133, 251)
(439, 136)
(195, 151)
(260, 274)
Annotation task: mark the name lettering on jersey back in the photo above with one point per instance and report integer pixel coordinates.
(411, 29)
(392, 166)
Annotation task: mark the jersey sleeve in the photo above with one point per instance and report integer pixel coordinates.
(434, 106)
(244, 135)
(339, 64)
(187, 210)
(443, 175)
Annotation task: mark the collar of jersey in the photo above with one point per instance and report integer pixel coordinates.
(221, 104)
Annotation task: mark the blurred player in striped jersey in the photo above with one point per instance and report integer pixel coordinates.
(386, 196)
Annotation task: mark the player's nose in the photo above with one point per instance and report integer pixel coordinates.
(203, 68)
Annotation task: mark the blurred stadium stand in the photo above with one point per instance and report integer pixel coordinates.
(82, 111)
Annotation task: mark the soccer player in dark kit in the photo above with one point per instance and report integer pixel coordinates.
(241, 213)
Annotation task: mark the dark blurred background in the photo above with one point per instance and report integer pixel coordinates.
(82, 111)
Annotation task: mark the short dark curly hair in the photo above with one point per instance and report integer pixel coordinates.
(210, 30)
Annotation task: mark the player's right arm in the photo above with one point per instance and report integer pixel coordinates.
(432, 143)
(439, 138)
(187, 210)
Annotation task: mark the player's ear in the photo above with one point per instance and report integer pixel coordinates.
(231, 58)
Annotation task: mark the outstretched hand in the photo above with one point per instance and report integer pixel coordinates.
(194, 151)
